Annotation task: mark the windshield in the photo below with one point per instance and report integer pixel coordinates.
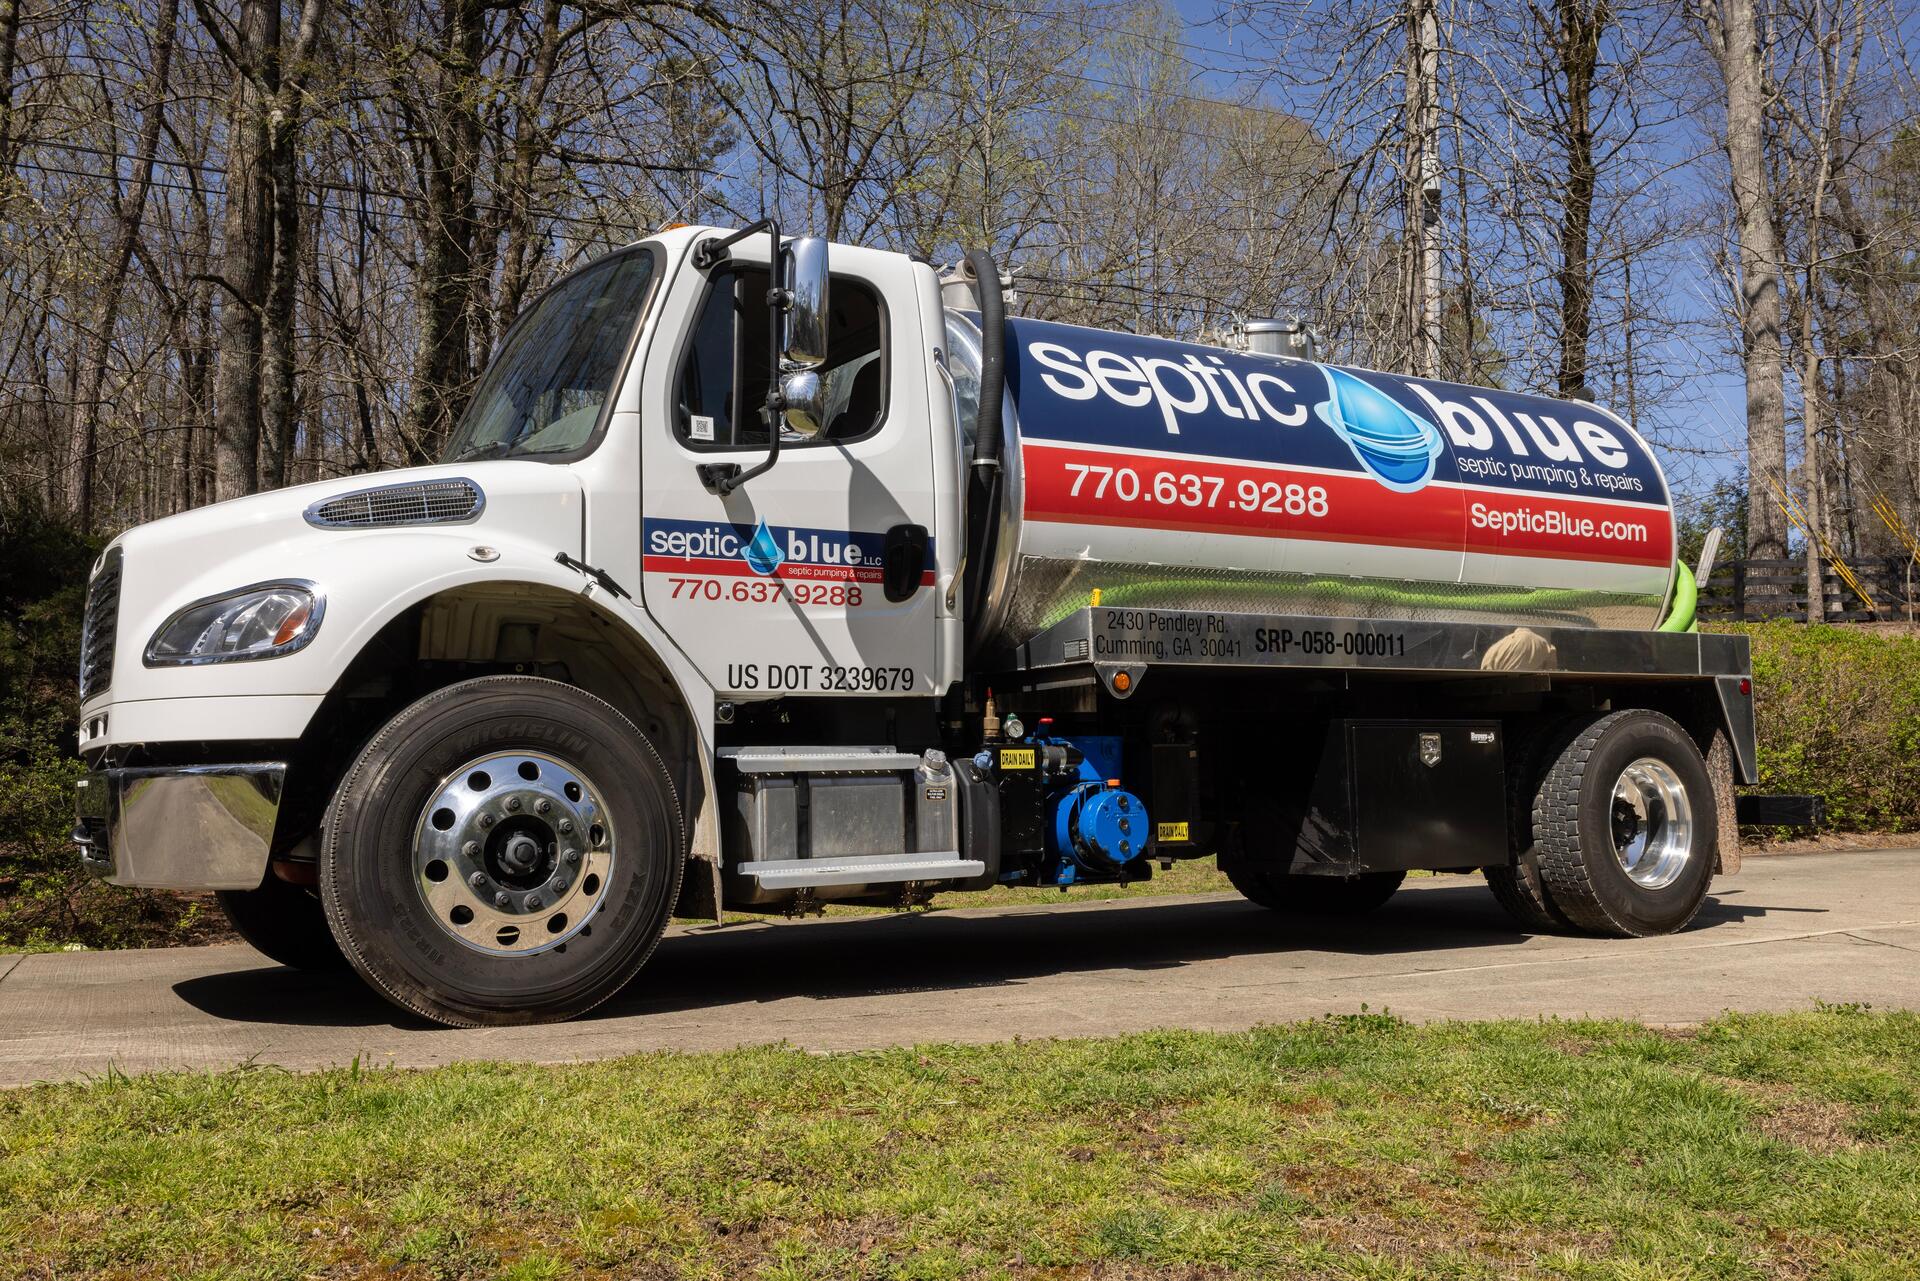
(544, 391)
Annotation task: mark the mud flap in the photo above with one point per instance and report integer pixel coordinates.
(1720, 770)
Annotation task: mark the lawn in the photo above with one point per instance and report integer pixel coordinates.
(1350, 1147)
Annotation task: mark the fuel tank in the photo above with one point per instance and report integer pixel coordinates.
(1173, 475)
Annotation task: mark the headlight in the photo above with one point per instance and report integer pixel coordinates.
(262, 621)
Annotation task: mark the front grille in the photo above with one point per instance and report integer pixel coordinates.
(99, 626)
(421, 502)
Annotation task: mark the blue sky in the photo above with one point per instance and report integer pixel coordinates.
(1231, 56)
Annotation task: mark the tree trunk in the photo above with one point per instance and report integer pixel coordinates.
(1873, 283)
(83, 423)
(1578, 42)
(442, 365)
(279, 419)
(9, 54)
(246, 250)
(1736, 42)
(530, 144)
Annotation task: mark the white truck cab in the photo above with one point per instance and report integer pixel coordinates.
(754, 587)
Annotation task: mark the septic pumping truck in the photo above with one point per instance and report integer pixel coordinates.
(749, 582)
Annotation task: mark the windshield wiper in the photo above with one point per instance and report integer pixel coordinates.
(492, 449)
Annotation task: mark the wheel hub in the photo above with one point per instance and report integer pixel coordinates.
(1652, 823)
(512, 852)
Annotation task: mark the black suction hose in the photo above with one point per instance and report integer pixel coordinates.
(987, 438)
(983, 479)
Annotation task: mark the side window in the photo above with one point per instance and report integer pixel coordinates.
(723, 378)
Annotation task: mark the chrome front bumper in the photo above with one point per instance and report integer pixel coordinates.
(181, 827)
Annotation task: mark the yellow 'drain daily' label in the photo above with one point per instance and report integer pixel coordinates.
(1171, 832)
(1016, 758)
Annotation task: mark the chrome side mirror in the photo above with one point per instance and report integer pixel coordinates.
(805, 396)
(803, 343)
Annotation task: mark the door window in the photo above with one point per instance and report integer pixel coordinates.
(723, 377)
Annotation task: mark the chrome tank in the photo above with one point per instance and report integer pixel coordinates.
(1170, 475)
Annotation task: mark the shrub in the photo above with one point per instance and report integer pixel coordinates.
(1839, 717)
(45, 899)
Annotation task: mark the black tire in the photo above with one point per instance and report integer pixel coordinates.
(376, 899)
(1575, 816)
(1314, 895)
(284, 923)
(1517, 886)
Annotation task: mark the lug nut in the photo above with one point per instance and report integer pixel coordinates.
(572, 856)
(533, 902)
(478, 880)
(486, 821)
(501, 900)
(513, 803)
(566, 826)
(542, 806)
(558, 885)
(471, 849)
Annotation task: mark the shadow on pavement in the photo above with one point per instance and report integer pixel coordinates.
(939, 951)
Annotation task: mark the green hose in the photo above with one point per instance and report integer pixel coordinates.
(1686, 598)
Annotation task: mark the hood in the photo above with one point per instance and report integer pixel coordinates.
(366, 557)
(539, 501)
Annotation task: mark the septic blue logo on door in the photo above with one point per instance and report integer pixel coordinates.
(1397, 448)
(764, 549)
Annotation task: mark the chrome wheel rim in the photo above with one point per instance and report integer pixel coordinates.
(1652, 819)
(512, 853)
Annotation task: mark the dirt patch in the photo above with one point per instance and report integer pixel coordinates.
(1419, 1241)
(1820, 1126)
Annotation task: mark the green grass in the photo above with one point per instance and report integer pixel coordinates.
(1755, 1147)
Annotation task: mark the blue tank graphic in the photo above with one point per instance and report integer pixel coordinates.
(1397, 448)
(762, 552)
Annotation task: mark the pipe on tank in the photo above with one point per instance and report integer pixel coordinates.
(985, 491)
(987, 435)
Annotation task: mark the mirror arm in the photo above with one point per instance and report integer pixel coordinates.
(724, 478)
(713, 250)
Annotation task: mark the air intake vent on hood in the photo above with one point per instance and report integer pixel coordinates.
(420, 502)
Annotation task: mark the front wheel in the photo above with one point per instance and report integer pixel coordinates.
(284, 923)
(1625, 826)
(506, 850)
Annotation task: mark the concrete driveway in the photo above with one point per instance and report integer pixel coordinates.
(1787, 931)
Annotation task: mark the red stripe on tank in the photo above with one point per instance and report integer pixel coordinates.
(1081, 486)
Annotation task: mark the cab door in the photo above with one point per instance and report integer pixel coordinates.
(782, 587)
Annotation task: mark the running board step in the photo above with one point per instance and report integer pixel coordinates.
(797, 873)
(818, 760)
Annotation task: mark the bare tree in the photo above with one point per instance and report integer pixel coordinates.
(84, 419)
(1733, 36)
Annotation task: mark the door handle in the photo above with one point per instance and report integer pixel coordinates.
(903, 561)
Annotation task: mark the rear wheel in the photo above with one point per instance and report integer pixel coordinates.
(284, 923)
(1314, 895)
(1625, 826)
(506, 850)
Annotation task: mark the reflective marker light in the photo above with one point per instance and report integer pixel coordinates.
(263, 621)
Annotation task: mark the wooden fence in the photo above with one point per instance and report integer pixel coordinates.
(1751, 591)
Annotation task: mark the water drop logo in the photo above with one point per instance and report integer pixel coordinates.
(762, 552)
(1395, 447)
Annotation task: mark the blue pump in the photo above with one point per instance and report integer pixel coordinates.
(1097, 827)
